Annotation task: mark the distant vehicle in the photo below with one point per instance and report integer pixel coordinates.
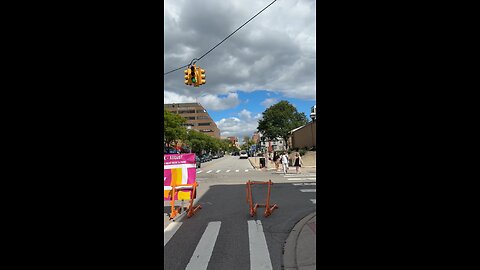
(170, 150)
(198, 161)
(206, 157)
(243, 154)
(215, 156)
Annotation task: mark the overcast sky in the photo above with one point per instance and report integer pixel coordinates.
(273, 54)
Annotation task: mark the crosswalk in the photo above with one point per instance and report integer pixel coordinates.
(227, 171)
(199, 260)
(305, 184)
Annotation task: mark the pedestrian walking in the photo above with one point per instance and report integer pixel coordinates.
(285, 162)
(298, 163)
(276, 160)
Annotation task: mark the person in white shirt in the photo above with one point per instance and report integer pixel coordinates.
(284, 159)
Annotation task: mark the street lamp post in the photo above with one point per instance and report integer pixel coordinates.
(188, 131)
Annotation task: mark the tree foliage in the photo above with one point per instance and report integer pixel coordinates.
(198, 142)
(173, 129)
(279, 119)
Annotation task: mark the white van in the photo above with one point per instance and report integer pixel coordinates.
(243, 154)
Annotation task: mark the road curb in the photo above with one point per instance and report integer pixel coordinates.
(290, 248)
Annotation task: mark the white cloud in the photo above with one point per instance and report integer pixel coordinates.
(208, 101)
(268, 102)
(243, 125)
(216, 103)
(171, 97)
(274, 52)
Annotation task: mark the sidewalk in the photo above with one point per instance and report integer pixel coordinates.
(300, 247)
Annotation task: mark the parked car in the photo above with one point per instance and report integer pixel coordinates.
(215, 156)
(198, 161)
(206, 157)
(243, 154)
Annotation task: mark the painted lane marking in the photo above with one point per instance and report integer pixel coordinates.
(314, 201)
(170, 231)
(199, 171)
(203, 251)
(217, 171)
(305, 184)
(236, 170)
(246, 170)
(259, 255)
(308, 190)
(228, 170)
(302, 178)
(209, 171)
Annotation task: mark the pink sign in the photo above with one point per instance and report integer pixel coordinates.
(179, 169)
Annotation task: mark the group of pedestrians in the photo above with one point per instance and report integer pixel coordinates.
(283, 159)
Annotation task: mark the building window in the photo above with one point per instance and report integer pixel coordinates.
(203, 117)
(186, 111)
(204, 124)
(190, 117)
(206, 130)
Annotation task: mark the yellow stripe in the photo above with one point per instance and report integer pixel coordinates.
(177, 176)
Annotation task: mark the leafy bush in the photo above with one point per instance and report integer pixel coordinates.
(302, 152)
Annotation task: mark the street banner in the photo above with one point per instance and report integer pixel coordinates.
(179, 169)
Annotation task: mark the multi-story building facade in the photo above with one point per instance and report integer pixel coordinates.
(197, 117)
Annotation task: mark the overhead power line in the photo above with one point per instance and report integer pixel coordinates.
(224, 38)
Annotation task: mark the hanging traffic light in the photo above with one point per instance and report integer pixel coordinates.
(194, 76)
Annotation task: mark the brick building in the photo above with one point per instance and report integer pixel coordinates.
(197, 117)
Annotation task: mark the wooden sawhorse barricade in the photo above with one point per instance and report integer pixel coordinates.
(253, 207)
(174, 191)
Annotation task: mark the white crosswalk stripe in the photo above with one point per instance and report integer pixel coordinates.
(258, 248)
(217, 171)
(299, 175)
(259, 255)
(308, 190)
(301, 178)
(203, 252)
(170, 231)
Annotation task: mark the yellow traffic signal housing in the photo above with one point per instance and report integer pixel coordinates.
(201, 78)
(188, 77)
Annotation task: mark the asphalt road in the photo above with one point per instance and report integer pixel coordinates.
(222, 235)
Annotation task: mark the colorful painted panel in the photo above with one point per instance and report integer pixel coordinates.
(179, 169)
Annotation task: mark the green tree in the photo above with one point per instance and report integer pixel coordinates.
(196, 141)
(173, 129)
(279, 119)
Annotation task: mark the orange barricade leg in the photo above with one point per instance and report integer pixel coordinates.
(253, 208)
(193, 209)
